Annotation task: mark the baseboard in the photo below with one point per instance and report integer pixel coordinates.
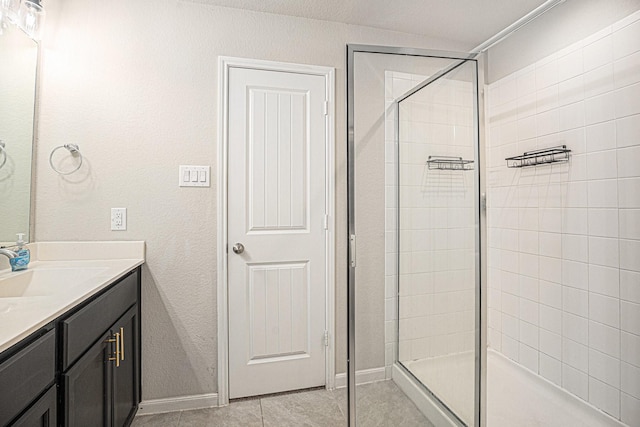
(362, 377)
(182, 403)
(425, 403)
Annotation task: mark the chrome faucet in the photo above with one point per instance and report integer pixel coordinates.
(8, 253)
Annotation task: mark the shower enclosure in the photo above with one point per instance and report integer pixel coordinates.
(414, 234)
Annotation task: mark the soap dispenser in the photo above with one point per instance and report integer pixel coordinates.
(23, 255)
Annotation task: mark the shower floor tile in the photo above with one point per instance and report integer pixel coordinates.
(380, 404)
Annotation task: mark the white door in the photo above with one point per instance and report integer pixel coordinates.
(276, 202)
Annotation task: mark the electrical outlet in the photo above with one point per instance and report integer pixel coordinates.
(118, 218)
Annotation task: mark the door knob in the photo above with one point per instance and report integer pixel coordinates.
(238, 248)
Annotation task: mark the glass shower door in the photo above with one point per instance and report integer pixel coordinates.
(437, 237)
(413, 204)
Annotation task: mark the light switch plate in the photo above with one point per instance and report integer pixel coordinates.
(118, 219)
(194, 176)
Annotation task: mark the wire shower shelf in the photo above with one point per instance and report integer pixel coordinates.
(449, 163)
(539, 157)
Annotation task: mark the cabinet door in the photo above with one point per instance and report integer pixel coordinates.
(87, 387)
(25, 375)
(125, 376)
(42, 413)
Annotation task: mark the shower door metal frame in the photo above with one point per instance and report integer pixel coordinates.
(352, 49)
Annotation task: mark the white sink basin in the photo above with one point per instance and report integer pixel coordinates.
(46, 281)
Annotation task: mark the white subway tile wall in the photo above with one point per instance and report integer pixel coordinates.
(564, 239)
(437, 247)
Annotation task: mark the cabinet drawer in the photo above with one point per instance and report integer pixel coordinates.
(81, 329)
(25, 375)
(43, 413)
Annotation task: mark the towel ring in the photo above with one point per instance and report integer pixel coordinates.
(3, 152)
(74, 150)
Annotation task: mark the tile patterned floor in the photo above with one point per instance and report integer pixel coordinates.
(380, 404)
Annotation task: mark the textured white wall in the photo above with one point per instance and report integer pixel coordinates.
(564, 239)
(135, 85)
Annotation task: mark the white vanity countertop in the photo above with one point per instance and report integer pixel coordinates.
(82, 268)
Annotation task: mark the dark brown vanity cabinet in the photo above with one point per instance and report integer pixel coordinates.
(101, 364)
(43, 413)
(27, 381)
(82, 370)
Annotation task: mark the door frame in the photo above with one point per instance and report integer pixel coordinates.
(225, 63)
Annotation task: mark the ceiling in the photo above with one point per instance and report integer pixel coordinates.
(468, 22)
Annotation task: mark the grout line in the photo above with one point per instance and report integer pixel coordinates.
(179, 418)
(261, 413)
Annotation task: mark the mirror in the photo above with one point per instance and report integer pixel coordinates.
(18, 61)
